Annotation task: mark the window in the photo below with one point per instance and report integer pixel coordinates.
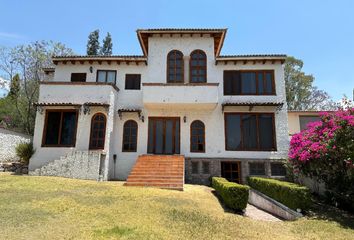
(106, 76)
(249, 132)
(277, 169)
(304, 120)
(206, 167)
(60, 128)
(78, 77)
(257, 169)
(198, 67)
(132, 81)
(195, 167)
(231, 171)
(175, 67)
(98, 131)
(130, 134)
(197, 136)
(260, 82)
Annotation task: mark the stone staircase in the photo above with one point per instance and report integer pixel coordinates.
(161, 171)
(76, 164)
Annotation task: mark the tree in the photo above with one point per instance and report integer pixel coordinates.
(107, 46)
(325, 152)
(93, 45)
(300, 92)
(14, 86)
(27, 62)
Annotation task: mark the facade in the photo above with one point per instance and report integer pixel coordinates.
(227, 115)
(298, 120)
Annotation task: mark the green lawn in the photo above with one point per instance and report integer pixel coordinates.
(58, 208)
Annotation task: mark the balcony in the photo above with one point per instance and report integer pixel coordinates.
(180, 95)
(76, 92)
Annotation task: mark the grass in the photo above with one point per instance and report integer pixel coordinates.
(59, 208)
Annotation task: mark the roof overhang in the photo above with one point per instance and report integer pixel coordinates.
(217, 34)
(99, 59)
(251, 105)
(257, 58)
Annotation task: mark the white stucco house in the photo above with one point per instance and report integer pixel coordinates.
(180, 111)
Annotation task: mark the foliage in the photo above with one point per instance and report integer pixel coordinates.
(23, 64)
(234, 195)
(93, 44)
(300, 92)
(290, 194)
(325, 151)
(24, 151)
(107, 45)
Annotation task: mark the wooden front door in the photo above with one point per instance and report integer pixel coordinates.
(164, 135)
(231, 171)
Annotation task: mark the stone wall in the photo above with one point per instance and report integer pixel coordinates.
(8, 142)
(76, 164)
(215, 169)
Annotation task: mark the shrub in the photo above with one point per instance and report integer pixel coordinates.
(291, 195)
(235, 196)
(24, 151)
(325, 151)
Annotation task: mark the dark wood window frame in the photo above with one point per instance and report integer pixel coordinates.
(127, 76)
(257, 82)
(106, 71)
(230, 163)
(172, 56)
(255, 170)
(227, 148)
(198, 136)
(76, 75)
(198, 67)
(91, 145)
(44, 135)
(132, 139)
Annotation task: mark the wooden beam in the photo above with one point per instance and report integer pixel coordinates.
(72, 62)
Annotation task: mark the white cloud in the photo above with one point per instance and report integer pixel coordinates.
(4, 84)
(7, 35)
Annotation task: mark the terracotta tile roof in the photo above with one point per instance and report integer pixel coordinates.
(99, 58)
(182, 30)
(275, 103)
(93, 104)
(254, 56)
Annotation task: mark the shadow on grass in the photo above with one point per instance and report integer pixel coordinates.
(322, 211)
(226, 209)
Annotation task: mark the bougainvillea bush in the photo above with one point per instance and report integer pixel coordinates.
(325, 151)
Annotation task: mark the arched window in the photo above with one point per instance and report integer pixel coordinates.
(130, 133)
(175, 67)
(98, 131)
(197, 136)
(198, 67)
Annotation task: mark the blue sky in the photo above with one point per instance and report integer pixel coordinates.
(321, 33)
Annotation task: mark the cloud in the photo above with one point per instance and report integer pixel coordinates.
(7, 35)
(4, 84)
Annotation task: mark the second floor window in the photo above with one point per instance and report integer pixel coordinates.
(78, 77)
(198, 67)
(249, 82)
(175, 67)
(106, 76)
(132, 81)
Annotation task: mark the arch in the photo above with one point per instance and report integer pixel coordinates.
(197, 141)
(130, 136)
(98, 131)
(198, 67)
(175, 67)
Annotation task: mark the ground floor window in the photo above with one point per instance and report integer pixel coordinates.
(257, 169)
(249, 132)
(277, 169)
(231, 171)
(98, 131)
(60, 128)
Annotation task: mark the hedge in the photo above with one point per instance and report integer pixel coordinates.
(235, 196)
(291, 195)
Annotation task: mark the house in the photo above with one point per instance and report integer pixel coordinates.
(179, 113)
(298, 120)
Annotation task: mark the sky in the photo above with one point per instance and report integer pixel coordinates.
(319, 32)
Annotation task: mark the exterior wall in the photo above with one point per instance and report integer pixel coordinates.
(8, 142)
(154, 101)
